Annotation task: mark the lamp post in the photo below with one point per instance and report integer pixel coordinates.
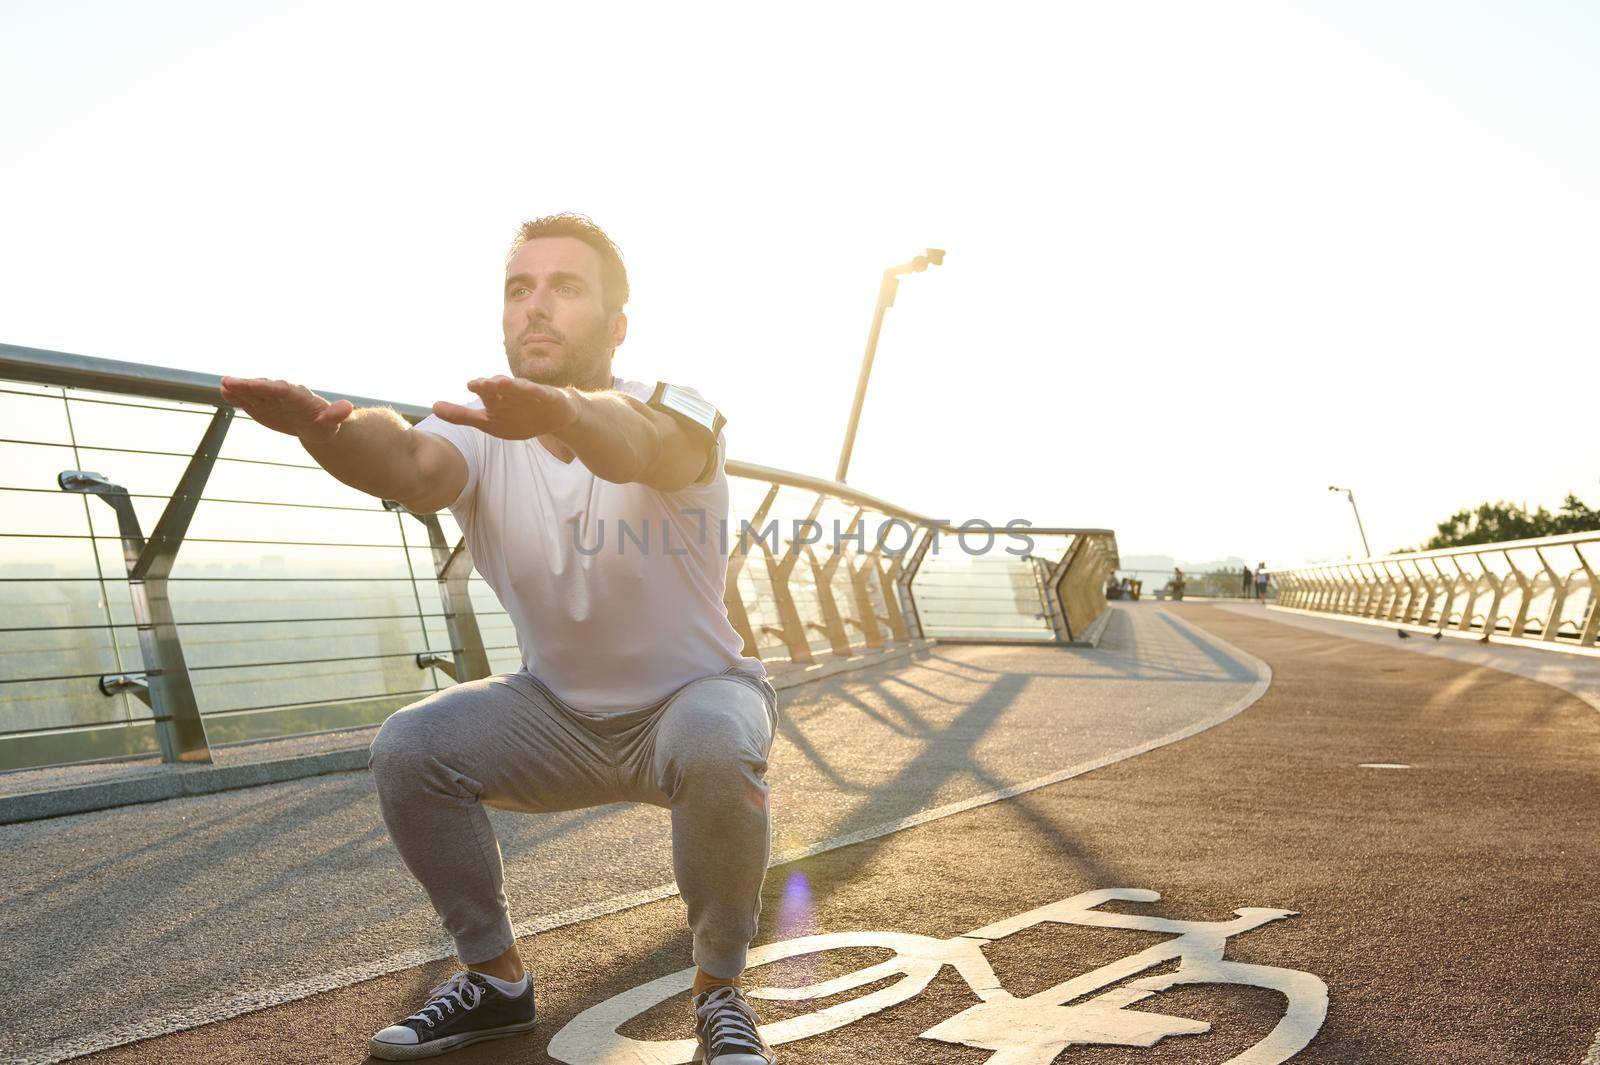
(1352, 497)
(886, 291)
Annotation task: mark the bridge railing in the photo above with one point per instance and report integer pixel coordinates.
(223, 588)
(1544, 590)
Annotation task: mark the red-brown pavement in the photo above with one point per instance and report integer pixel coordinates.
(1449, 907)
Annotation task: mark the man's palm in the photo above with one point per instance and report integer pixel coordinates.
(513, 408)
(286, 407)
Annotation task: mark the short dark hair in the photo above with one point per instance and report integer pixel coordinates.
(613, 275)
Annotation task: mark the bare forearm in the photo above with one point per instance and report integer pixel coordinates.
(371, 453)
(614, 438)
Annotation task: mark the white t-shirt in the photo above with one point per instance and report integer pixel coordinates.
(615, 589)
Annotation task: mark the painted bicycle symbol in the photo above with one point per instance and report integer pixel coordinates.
(1083, 1011)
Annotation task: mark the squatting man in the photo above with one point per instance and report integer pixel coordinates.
(633, 684)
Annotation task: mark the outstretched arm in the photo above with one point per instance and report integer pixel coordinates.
(618, 437)
(371, 449)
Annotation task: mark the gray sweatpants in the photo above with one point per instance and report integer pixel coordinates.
(508, 742)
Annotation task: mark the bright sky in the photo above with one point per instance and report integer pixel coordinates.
(1204, 260)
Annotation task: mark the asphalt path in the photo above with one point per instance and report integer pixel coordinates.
(1438, 913)
(1576, 672)
(126, 924)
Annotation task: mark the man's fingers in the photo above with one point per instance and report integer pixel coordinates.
(241, 391)
(502, 389)
(493, 387)
(456, 414)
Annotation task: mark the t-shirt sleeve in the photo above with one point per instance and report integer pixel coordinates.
(468, 441)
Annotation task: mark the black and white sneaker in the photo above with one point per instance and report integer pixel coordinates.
(728, 1030)
(464, 1009)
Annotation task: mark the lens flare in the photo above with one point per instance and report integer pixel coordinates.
(797, 917)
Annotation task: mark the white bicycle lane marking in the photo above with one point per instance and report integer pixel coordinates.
(1025, 1031)
(253, 1000)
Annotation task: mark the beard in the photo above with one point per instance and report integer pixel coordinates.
(580, 361)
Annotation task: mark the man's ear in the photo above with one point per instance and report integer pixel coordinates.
(619, 329)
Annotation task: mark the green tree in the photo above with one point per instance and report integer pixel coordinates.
(1493, 522)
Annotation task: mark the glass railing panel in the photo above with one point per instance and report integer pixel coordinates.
(250, 687)
(803, 589)
(207, 558)
(248, 440)
(115, 424)
(766, 624)
(980, 596)
(844, 597)
(1539, 605)
(40, 416)
(875, 596)
(56, 557)
(1589, 554)
(1510, 604)
(53, 651)
(322, 715)
(42, 513)
(1494, 562)
(34, 466)
(745, 496)
(51, 704)
(1575, 609)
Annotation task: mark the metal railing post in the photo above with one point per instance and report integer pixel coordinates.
(167, 688)
(1060, 621)
(905, 586)
(1497, 588)
(738, 613)
(1558, 597)
(889, 585)
(1438, 588)
(861, 585)
(793, 627)
(1591, 627)
(1520, 621)
(832, 620)
(453, 572)
(1465, 623)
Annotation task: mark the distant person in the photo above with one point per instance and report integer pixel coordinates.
(1113, 589)
(1177, 583)
(1261, 581)
(633, 685)
(1249, 583)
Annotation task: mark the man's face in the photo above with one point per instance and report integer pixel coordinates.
(557, 331)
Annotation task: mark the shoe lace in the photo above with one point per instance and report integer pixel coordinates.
(458, 993)
(728, 1021)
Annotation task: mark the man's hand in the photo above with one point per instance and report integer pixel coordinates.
(288, 408)
(513, 408)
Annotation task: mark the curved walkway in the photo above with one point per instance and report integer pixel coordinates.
(125, 924)
(1447, 907)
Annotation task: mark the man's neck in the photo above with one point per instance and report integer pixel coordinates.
(603, 379)
(556, 448)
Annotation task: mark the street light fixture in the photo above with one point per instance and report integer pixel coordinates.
(886, 291)
(1359, 528)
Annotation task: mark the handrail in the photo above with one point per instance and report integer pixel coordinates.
(788, 594)
(91, 372)
(1543, 601)
(1558, 540)
(66, 370)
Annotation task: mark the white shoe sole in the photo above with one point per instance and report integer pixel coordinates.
(435, 1047)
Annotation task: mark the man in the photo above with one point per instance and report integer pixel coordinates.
(633, 684)
(1262, 577)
